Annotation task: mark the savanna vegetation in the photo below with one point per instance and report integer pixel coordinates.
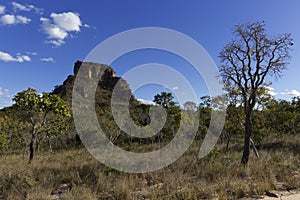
(42, 156)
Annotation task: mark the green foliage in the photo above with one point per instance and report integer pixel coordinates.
(283, 117)
(11, 132)
(47, 116)
(46, 113)
(32, 102)
(3, 135)
(204, 119)
(173, 116)
(165, 99)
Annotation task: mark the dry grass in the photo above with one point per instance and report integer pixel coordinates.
(220, 175)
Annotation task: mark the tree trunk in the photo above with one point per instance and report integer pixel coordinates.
(37, 145)
(252, 145)
(228, 141)
(31, 150)
(248, 133)
(49, 143)
(31, 144)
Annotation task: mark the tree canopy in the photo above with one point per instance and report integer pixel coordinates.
(45, 112)
(247, 61)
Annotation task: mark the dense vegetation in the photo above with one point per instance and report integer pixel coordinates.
(47, 117)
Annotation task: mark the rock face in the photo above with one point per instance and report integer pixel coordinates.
(90, 70)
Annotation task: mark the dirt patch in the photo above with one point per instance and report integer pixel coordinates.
(285, 195)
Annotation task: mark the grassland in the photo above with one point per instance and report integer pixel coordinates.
(218, 176)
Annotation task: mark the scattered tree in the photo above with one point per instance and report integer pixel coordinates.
(246, 62)
(47, 114)
(165, 99)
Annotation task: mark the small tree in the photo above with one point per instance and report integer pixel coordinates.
(247, 61)
(47, 114)
(165, 99)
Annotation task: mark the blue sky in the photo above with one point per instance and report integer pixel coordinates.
(41, 40)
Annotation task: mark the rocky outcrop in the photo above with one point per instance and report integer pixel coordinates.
(90, 70)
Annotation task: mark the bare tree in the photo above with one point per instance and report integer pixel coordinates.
(246, 62)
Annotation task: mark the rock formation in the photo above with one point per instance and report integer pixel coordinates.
(90, 70)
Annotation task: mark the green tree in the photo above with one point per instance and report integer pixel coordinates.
(172, 124)
(282, 116)
(11, 133)
(204, 118)
(246, 62)
(296, 110)
(165, 99)
(233, 123)
(47, 114)
(205, 102)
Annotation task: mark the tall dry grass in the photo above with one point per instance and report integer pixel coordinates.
(219, 175)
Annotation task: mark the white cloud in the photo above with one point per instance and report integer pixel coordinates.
(49, 59)
(5, 104)
(55, 42)
(4, 93)
(145, 101)
(6, 57)
(7, 19)
(59, 27)
(52, 30)
(291, 93)
(20, 7)
(271, 91)
(5, 98)
(68, 21)
(31, 53)
(175, 88)
(26, 58)
(2, 9)
(14, 19)
(22, 19)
